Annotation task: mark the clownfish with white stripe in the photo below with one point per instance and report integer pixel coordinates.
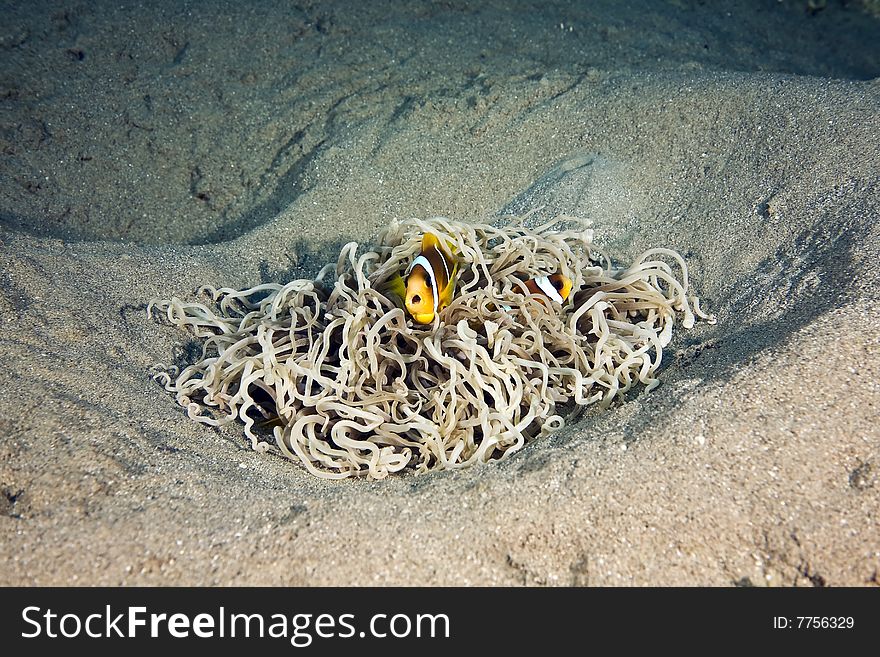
(555, 287)
(430, 281)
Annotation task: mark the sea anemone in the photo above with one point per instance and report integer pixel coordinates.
(334, 373)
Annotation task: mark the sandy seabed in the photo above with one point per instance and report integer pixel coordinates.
(148, 151)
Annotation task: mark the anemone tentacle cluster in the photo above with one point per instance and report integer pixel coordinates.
(332, 371)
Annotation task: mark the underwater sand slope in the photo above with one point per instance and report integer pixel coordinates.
(756, 456)
(754, 462)
(177, 123)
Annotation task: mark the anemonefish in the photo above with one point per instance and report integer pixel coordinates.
(556, 287)
(430, 281)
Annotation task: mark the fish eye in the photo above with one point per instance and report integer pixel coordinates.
(557, 284)
(417, 299)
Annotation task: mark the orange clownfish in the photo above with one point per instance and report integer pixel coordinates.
(430, 281)
(556, 287)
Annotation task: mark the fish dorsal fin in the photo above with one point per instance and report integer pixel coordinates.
(441, 262)
(429, 240)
